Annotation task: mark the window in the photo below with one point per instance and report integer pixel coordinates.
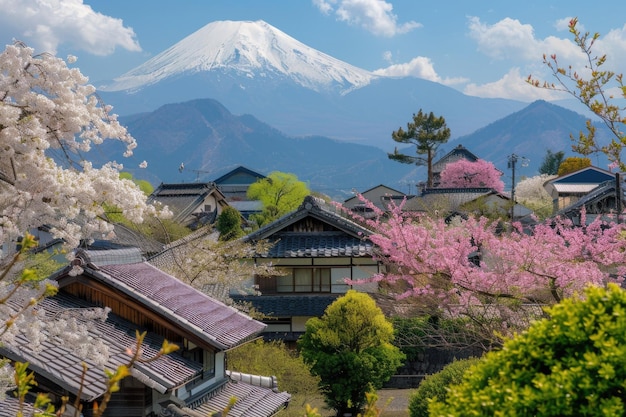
(205, 357)
(305, 280)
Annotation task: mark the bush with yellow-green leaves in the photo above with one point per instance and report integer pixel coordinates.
(570, 364)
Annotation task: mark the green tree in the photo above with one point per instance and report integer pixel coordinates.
(570, 364)
(229, 224)
(594, 92)
(280, 193)
(427, 133)
(350, 349)
(551, 162)
(573, 164)
(275, 359)
(143, 185)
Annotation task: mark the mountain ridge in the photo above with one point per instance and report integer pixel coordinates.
(209, 140)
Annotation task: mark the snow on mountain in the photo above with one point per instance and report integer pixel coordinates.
(253, 49)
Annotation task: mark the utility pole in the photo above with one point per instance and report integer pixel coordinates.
(618, 196)
(512, 162)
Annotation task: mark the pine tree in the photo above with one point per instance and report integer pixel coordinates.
(427, 133)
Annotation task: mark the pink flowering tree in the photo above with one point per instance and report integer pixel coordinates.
(468, 174)
(494, 282)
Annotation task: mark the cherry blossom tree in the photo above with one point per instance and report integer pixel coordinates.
(468, 174)
(531, 193)
(471, 270)
(50, 117)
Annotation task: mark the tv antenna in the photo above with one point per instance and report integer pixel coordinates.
(181, 168)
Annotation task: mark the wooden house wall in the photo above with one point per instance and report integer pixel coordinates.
(310, 225)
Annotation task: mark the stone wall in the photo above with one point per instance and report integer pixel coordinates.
(430, 361)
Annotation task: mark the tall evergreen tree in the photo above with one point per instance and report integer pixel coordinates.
(427, 133)
(551, 162)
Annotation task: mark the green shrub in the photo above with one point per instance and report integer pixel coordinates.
(274, 359)
(436, 386)
(229, 224)
(571, 364)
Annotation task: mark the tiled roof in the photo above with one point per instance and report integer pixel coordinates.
(247, 205)
(252, 401)
(239, 176)
(315, 208)
(289, 305)
(210, 320)
(10, 406)
(183, 199)
(61, 364)
(454, 155)
(317, 245)
(453, 198)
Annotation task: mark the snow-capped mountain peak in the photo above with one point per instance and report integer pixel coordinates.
(254, 49)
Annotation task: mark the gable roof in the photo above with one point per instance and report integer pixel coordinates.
(239, 176)
(190, 310)
(184, 198)
(346, 237)
(315, 208)
(587, 175)
(375, 195)
(460, 152)
(582, 181)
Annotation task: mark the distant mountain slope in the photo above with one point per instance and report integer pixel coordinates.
(254, 68)
(209, 140)
(530, 133)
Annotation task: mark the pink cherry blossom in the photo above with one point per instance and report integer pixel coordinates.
(468, 174)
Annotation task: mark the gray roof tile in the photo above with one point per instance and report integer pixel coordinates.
(215, 322)
(289, 305)
(252, 401)
(61, 364)
(317, 245)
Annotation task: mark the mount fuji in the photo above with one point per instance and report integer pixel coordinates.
(254, 68)
(254, 50)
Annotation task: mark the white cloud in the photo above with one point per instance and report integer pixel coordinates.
(324, 6)
(562, 24)
(513, 86)
(420, 67)
(516, 43)
(506, 39)
(513, 41)
(375, 16)
(44, 25)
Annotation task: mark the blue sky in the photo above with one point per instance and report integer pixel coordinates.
(484, 48)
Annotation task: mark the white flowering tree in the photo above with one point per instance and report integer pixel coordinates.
(531, 193)
(49, 118)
